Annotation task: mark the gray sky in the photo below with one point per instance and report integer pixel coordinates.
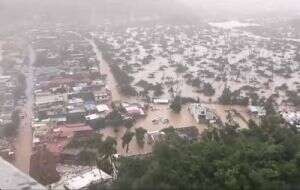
(16, 10)
(246, 4)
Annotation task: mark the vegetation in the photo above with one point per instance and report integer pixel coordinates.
(105, 148)
(208, 90)
(20, 86)
(105, 151)
(205, 88)
(123, 79)
(126, 139)
(140, 136)
(262, 157)
(87, 157)
(157, 88)
(11, 129)
(129, 123)
(181, 68)
(114, 119)
(91, 143)
(108, 147)
(176, 105)
(233, 98)
(293, 97)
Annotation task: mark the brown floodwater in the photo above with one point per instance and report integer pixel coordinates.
(24, 138)
(159, 112)
(222, 111)
(105, 69)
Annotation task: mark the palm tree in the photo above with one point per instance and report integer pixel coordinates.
(140, 136)
(127, 139)
(108, 147)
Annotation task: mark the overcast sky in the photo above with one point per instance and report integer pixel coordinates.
(247, 4)
(11, 10)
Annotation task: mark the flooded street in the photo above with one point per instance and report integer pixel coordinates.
(24, 138)
(154, 121)
(105, 70)
(159, 112)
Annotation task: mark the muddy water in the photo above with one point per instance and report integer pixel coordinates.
(159, 112)
(24, 138)
(222, 110)
(105, 69)
(162, 112)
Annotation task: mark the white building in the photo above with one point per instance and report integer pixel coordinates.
(102, 108)
(202, 113)
(257, 110)
(84, 180)
(293, 118)
(160, 101)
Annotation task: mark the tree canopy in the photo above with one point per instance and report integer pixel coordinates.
(176, 105)
(261, 157)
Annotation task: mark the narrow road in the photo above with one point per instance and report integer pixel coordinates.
(105, 70)
(24, 138)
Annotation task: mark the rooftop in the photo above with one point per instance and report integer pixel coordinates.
(85, 179)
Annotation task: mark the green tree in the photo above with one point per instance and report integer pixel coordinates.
(261, 157)
(87, 157)
(108, 147)
(208, 90)
(11, 129)
(128, 123)
(176, 105)
(126, 139)
(114, 119)
(140, 136)
(269, 106)
(225, 98)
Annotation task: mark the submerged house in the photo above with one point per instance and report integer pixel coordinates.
(202, 114)
(257, 111)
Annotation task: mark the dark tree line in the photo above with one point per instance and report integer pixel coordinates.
(11, 129)
(233, 98)
(265, 157)
(123, 79)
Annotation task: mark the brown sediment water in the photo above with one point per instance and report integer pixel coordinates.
(159, 113)
(24, 138)
(105, 70)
